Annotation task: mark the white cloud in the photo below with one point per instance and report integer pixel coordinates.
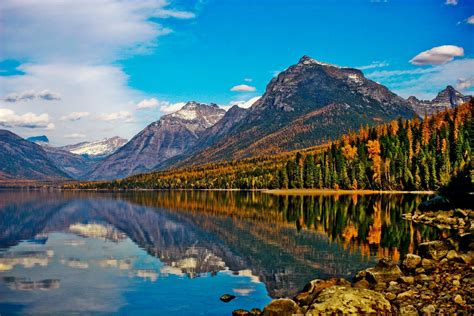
(248, 79)
(374, 64)
(172, 107)
(75, 116)
(451, 2)
(116, 116)
(245, 104)
(243, 88)
(31, 95)
(100, 30)
(75, 136)
(470, 20)
(72, 47)
(465, 83)
(148, 104)
(438, 55)
(8, 118)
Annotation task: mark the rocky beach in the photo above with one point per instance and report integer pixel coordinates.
(437, 279)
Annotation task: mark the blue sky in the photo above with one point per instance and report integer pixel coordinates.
(81, 69)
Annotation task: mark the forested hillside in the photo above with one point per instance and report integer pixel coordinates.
(401, 155)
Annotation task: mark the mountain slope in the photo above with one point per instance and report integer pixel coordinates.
(305, 105)
(21, 159)
(76, 166)
(446, 99)
(170, 136)
(98, 149)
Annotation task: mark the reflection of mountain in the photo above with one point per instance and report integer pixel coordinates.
(26, 259)
(96, 230)
(285, 241)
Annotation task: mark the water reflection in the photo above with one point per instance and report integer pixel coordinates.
(200, 243)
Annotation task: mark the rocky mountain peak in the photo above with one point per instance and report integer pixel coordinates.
(306, 60)
(446, 98)
(205, 115)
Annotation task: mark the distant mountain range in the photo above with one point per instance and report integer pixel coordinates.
(306, 105)
(171, 135)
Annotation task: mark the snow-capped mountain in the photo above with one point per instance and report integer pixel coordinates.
(169, 137)
(96, 149)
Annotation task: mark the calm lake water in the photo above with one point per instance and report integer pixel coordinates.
(176, 253)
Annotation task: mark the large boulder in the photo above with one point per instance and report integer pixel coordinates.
(385, 271)
(281, 306)
(349, 300)
(433, 249)
(411, 261)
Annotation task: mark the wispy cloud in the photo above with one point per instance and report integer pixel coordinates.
(243, 88)
(470, 20)
(374, 64)
(74, 116)
(8, 118)
(116, 116)
(465, 83)
(172, 107)
(148, 104)
(438, 55)
(75, 136)
(451, 2)
(29, 95)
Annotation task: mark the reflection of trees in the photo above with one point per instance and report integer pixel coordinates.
(285, 240)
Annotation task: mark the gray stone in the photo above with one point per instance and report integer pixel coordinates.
(281, 306)
(411, 261)
(433, 249)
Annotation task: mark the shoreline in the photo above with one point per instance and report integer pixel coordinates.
(340, 192)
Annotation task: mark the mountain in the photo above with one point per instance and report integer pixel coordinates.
(76, 166)
(170, 136)
(22, 159)
(40, 140)
(446, 99)
(98, 149)
(305, 105)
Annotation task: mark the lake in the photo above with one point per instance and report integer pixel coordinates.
(176, 253)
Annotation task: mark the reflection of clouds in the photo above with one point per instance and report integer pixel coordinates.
(168, 270)
(244, 291)
(152, 275)
(122, 264)
(74, 242)
(27, 259)
(248, 273)
(23, 284)
(75, 263)
(198, 260)
(99, 231)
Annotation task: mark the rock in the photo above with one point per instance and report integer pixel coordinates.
(241, 312)
(465, 258)
(362, 284)
(408, 310)
(405, 295)
(385, 271)
(451, 254)
(456, 283)
(348, 300)
(433, 249)
(256, 312)
(407, 279)
(227, 298)
(461, 213)
(419, 270)
(312, 289)
(422, 278)
(428, 310)
(390, 296)
(435, 204)
(458, 300)
(281, 306)
(427, 264)
(411, 261)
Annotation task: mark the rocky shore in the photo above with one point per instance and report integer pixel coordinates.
(439, 279)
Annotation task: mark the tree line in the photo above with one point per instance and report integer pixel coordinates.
(401, 155)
